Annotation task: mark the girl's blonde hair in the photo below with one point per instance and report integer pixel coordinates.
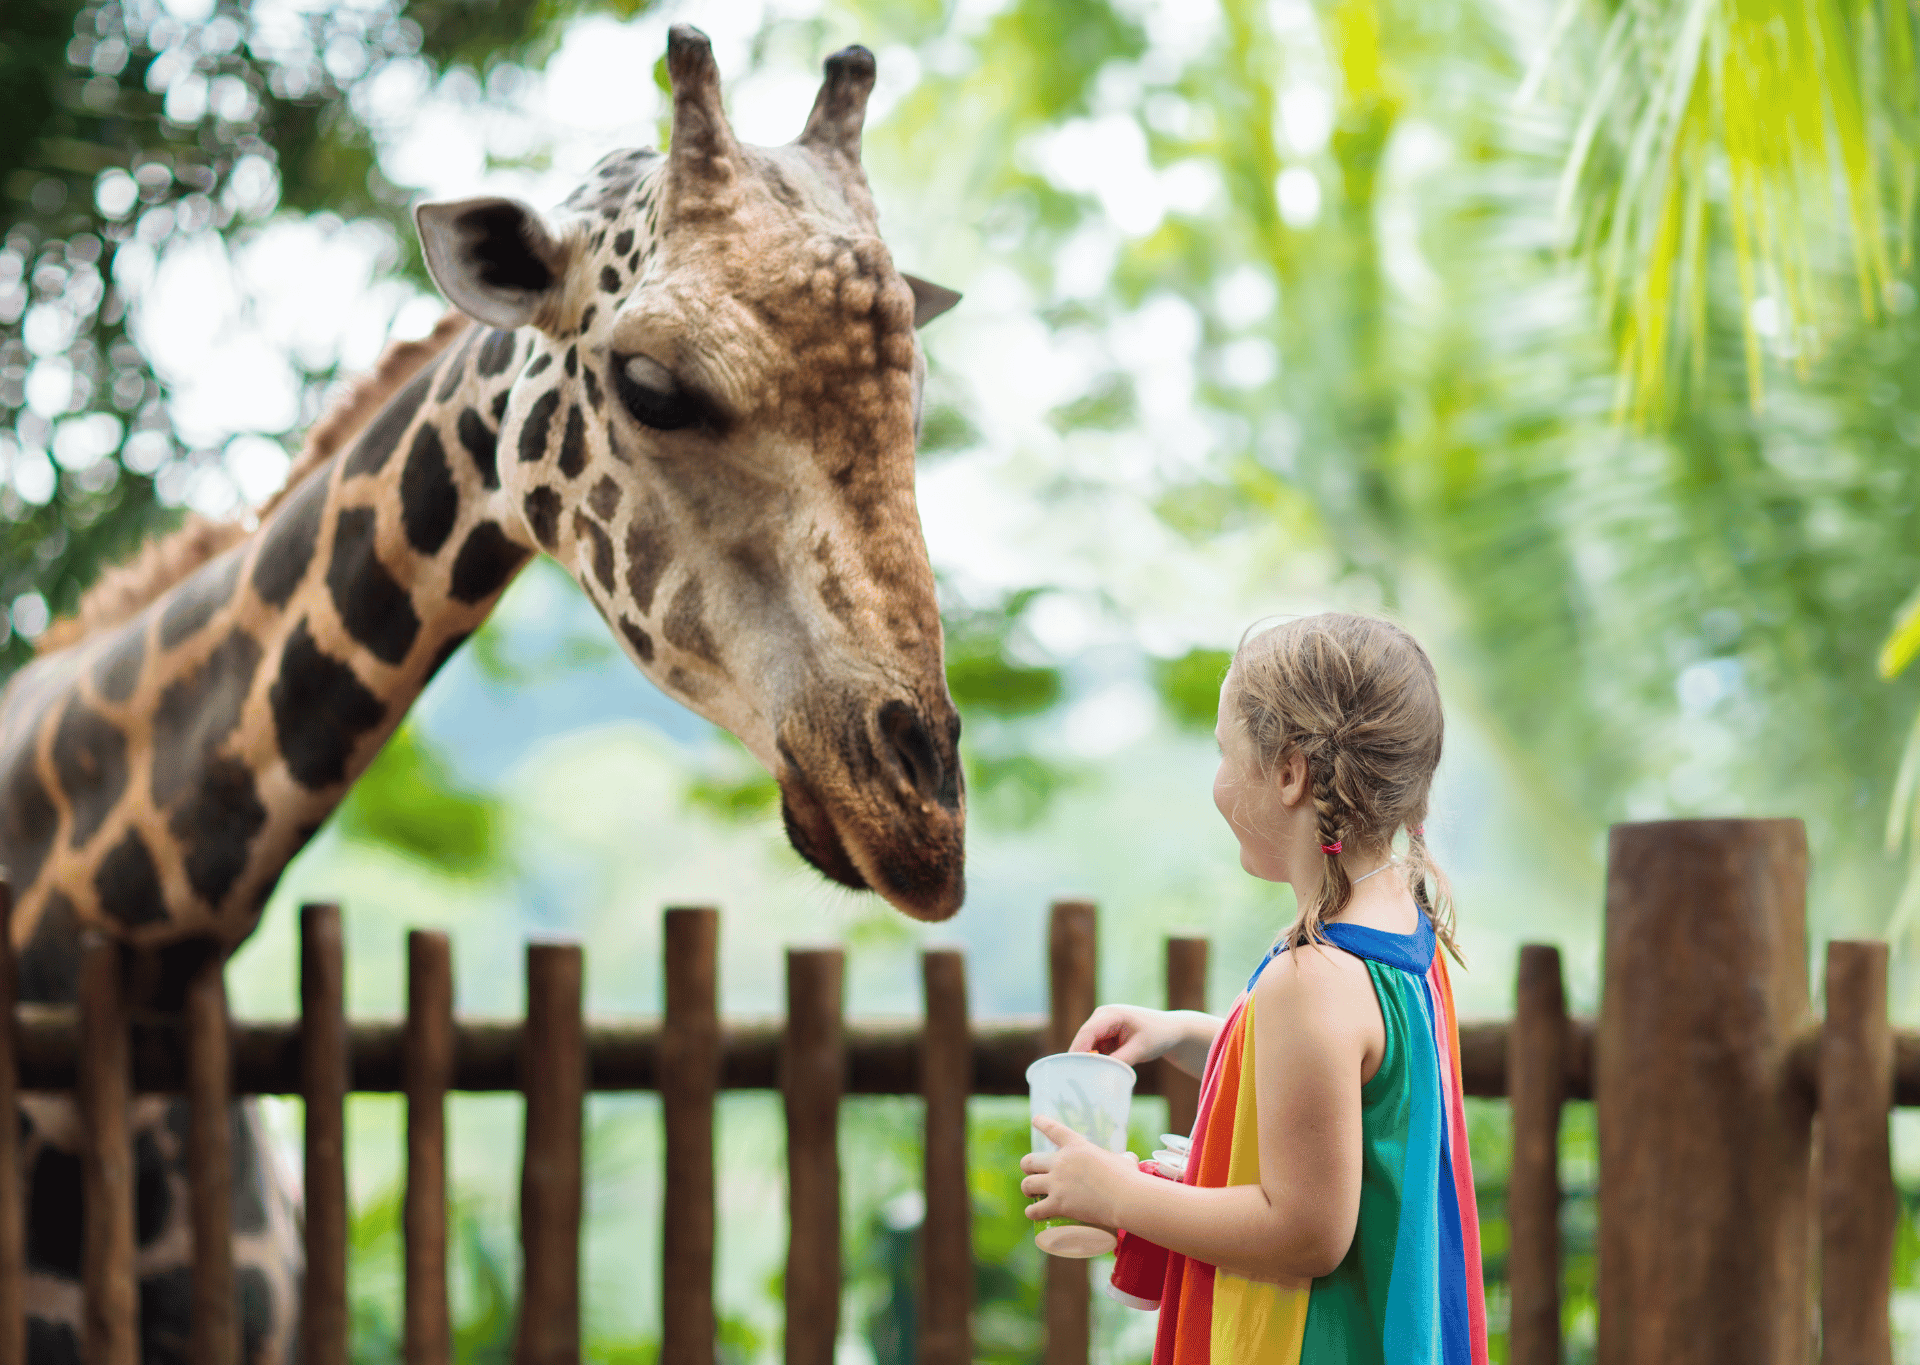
(1357, 698)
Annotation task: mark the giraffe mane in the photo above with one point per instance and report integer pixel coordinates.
(127, 588)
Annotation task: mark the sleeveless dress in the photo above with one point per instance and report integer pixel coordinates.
(1409, 1291)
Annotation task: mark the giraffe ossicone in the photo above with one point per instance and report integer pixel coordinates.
(697, 386)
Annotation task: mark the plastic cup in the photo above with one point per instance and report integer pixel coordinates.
(1090, 1093)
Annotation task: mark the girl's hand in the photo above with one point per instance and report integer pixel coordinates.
(1080, 1181)
(1135, 1035)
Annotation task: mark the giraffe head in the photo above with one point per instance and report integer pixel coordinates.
(712, 426)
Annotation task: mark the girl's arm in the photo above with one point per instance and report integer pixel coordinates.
(1316, 1024)
(1135, 1035)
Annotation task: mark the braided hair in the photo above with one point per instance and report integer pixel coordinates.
(1356, 697)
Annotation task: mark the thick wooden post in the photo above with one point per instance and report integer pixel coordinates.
(1858, 1207)
(324, 1076)
(1070, 966)
(1536, 1085)
(689, 1079)
(813, 1066)
(216, 1321)
(1186, 990)
(946, 1232)
(110, 1321)
(428, 1065)
(13, 1240)
(553, 1077)
(1704, 1141)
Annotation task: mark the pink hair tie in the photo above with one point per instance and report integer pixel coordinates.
(1332, 849)
(1418, 831)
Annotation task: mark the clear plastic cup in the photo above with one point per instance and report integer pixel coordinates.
(1090, 1093)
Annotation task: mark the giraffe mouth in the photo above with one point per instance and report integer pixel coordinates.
(911, 854)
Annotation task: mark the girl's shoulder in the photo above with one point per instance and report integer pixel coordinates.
(1313, 980)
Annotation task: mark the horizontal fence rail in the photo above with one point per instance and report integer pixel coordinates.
(883, 1056)
(1849, 1068)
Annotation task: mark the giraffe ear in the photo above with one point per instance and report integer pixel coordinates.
(496, 260)
(930, 300)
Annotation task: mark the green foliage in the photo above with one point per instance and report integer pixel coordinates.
(1189, 686)
(1791, 122)
(409, 801)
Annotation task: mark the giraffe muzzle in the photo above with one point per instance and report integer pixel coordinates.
(882, 808)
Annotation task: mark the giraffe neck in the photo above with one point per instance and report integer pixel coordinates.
(158, 778)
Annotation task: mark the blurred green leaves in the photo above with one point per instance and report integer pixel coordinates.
(1189, 686)
(409, 801)
(1779, 130)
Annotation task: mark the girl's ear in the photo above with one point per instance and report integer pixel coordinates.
(1293, 779)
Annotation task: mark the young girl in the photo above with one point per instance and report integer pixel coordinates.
(1327, 1211)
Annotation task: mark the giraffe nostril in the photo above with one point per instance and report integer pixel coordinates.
(911, 746)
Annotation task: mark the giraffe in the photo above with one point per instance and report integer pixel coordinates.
(697, 386)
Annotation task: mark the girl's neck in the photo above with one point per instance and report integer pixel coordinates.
(1381, 902)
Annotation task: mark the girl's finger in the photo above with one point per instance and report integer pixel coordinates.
(1041, 1211)
(1037, 1163)
(1034, 1187)
(1100, 1026)
(1055, 1132)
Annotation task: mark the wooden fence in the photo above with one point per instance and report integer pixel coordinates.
(1709, 1068)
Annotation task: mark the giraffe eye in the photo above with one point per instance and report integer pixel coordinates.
(651, 393)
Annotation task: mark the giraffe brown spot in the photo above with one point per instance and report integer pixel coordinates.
(429, 501)
(685, 625)
(592, 382)
(587, 529)
(128, 883)
(166, 1314)
(587, 316)
(90, 764)
(604, 500)
(573, 444)
(633, 263)
(623, 243)
(371, 452)
(195, 602)
(152, 1199)
(447, 651)
(197, 712)
(685, 684)
(496, 353)
(374, 608)
(500, 407)
(117, 672)
(320, 710)
(53, 1222)
(287, 547)
(50, 963)
(609, 280)
(649, 551)
(539, 365)
(481, 443)
(28, 819)
(454, 368)
(833, 595)
(216, 825)
(533, 433)
(50, 1342)
(573, 361)
(641, 641)
(487, 559)
(543, 515)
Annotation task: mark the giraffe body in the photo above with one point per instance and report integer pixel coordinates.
(697, 387)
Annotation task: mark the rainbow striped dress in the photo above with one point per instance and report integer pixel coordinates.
(1409, 1290)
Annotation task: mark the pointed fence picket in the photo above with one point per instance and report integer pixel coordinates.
(1848, 1069)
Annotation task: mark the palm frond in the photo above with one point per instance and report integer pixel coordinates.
(1782, 124)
